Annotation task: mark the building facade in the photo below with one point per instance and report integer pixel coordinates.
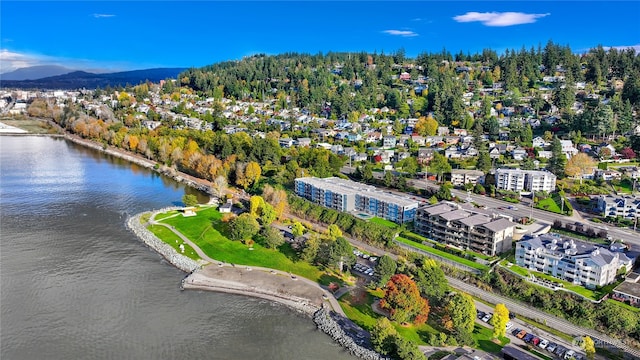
(350, 196)
(572, 260)
(465, 227)
(461, 177)
(627, 207)
(525, 180)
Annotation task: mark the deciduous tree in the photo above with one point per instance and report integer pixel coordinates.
(579, 165)
(189, 200)
(402, 299)
(589, 347)
(385, 269)
(499, 320)
(383, 336)
(243, 227)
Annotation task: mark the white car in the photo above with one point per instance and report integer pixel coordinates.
(569, 354)
(509, 325)
(487, 317)
(543, 343)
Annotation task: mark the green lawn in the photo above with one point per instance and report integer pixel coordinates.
(623, 305)
(174, 240)
(383, 222)
(590, 294)
(418, 238)
(446, 255)
(484, 338)
(360, 312)
(205, 230)
(549, 204)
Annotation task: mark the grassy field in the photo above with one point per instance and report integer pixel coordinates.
(206, 230)
(33, 126)
(174, 240)
(446, 255)
(418, 238)
(548, 204)
(623, 305)
(484, 338)
(381, 221)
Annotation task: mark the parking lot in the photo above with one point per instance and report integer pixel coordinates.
(540, 344)
(365, 264)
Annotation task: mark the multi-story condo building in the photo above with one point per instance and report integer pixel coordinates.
(525, 180)
(465, 227)
(348, 196)
(460, 177)
(624, 206)
(572, 260)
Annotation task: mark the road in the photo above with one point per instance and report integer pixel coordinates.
(632, 238)
(515, 307)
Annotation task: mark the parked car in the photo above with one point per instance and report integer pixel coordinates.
(552, 346)
(481, 314)
(487, 317)
(535, 341)
(543, 343)
(515, 331)
(521, 334)
(569, 354)
(528, 337)
(509, 325)
(560, 350)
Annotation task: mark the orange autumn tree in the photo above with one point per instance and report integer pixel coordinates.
(402, 299)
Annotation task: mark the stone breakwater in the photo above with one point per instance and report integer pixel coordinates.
(170, 254)
(326, 323)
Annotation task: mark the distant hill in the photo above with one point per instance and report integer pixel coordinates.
(35, 72)
(82, 79)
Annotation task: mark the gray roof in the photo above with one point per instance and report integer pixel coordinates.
(498, 225)
(476, 219)
(455, 215)
(629, 288)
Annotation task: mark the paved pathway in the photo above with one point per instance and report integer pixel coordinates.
(333, 302)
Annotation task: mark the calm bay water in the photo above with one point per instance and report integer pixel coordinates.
(76, 284)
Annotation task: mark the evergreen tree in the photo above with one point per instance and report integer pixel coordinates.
(558, 159)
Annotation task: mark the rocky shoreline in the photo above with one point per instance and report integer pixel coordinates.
(166, 251)
(323, 319)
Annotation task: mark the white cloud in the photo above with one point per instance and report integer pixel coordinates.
(99, 16)
(624, 47)
(10, 60)
(499, 18)
(403, 33)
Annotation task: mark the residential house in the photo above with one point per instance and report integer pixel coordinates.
(629, 290)
(519, 154)
(443, 130)
(568, 149)
(461, 177)
(389, 141)
(544, 154)
(607, 175)
(538, 141)
(425, 155)
(286, 142)
(494, 153)
(304, 142)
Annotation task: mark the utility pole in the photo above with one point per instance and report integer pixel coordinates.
(533, 199)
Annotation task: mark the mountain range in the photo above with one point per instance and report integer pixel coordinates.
(69, 79)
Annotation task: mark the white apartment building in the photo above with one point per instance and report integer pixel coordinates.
(460, 177)
(525, 180)
(623, 206)
(572, 260)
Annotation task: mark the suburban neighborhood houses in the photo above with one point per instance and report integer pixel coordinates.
(504, 180)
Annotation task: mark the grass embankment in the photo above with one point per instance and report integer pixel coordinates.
(590, 294)
(443, 254)
(206, 230)
(384, 222)
(174, 240)
(549, 204)
(420, 239)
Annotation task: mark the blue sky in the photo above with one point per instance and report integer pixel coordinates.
(124, 35)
